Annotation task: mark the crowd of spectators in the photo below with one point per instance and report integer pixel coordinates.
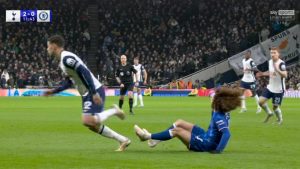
(23, 54)
(293, 80)
(172, 38)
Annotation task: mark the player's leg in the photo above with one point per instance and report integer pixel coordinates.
(178, 123)
(98, 110)
(135, 96)
(276, 100)
(255, 96)
(152, 142)
(122, 94)
(140, 96)
(165, 134)
(91, 121)
(243, 86)
(243, 104)
(130, 96)
(183, 124)
(182, 134)
(94, 120)
(263, 104)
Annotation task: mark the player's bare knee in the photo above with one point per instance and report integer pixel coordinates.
(89, 121)
(179, 122)
(121, 97)
(275, 107)
(93, 128)
(176, 131)
(130, 94)
(87, 124)
(261, 102)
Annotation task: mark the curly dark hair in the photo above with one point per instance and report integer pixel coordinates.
(227, 99)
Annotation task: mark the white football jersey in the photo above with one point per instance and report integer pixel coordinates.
(140, 69)
(248, 75)
(69, 62)
(276, 82)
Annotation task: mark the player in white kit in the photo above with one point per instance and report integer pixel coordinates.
(91, 90)
(276, 87)
(141, 79)
(248, 81)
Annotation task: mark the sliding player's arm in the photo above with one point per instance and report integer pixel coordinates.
(224, 140)
(67, 83)
(224, 129)
(85, 76)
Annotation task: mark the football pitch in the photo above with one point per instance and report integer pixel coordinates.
(47, 133)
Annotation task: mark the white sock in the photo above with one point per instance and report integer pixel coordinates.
(243, 101)
(257, 100)
(135, 96)
(267, 109)
(147, 136)
(171, 134)
(278, 113)
(105, 114)
(109, 133)
(141, 99)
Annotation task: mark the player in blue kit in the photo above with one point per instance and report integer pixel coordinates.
(213, 140)
(91, 90)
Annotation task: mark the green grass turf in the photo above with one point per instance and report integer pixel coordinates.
(47, 133)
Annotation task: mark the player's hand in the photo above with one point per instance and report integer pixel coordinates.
(97, 99)
(259, 74)
(121, 85)
(48, 93)
(145, 83)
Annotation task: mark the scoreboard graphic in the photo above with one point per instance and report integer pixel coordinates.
(28, 16)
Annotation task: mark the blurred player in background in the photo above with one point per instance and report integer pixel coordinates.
(91, 90)
(276, 87)
(249, 81)
(125, 79)
(215, 139)
(141, 79)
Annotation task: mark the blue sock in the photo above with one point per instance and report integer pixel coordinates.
(164, 135)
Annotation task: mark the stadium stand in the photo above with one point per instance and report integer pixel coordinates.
(173, 38)
(23, 47)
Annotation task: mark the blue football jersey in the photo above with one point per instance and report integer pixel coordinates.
(218, 125)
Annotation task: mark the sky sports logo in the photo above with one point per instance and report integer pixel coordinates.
(283, 12)
(28, 16)
(282, 16)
